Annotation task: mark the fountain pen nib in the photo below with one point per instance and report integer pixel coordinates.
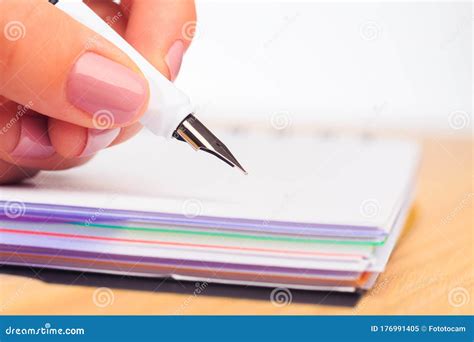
(192, 131)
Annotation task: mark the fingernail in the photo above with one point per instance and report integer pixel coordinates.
(174, 57)
(99, 139)
(34, 139)
(98, 84)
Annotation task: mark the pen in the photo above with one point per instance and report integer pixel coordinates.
(170, 113)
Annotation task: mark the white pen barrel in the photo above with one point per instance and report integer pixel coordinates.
(167, 106)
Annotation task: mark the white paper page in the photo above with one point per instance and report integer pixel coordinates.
(337, 181)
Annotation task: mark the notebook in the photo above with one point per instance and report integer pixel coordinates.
(313, 212)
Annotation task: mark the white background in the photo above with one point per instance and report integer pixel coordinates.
(401, 64)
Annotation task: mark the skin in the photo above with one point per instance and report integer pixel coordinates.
(36, 67)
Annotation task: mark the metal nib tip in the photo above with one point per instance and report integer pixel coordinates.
(192, 131)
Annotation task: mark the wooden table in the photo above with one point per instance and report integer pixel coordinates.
(431, 270)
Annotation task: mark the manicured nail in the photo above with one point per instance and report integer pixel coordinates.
(34, 140)
(98, 84)
(174, 57)
(99, 139)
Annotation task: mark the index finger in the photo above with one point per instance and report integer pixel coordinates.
(64, 70)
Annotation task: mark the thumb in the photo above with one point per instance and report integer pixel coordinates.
(64, 70)
(161, 30)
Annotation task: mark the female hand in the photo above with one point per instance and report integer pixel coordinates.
(65, 92)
